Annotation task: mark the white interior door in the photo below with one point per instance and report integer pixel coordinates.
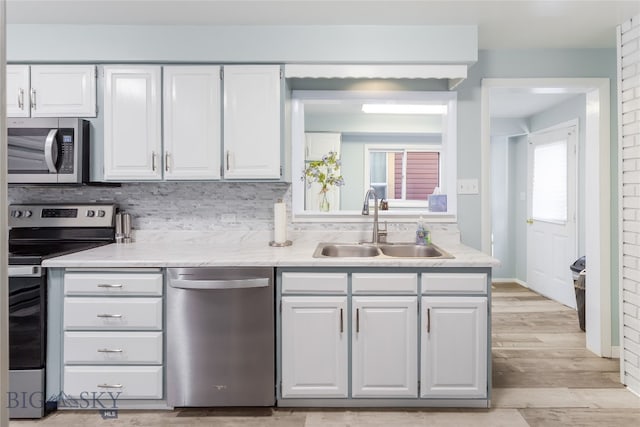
(551, 206)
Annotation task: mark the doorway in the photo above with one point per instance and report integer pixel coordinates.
(597, 204)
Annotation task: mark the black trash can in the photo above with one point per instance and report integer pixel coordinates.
(578, 269)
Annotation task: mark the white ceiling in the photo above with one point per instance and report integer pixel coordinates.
(501, 24)
(523, 103)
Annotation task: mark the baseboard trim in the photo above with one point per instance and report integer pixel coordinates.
(502, 280)
(615, 352)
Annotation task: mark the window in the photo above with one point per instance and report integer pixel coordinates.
(404, 176)
(403, 145)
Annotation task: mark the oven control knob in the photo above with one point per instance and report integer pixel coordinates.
(27, 214)
(91, 213)
(101, 213)
(16, 214)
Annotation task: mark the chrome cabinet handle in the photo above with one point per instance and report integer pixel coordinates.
(166, 161)
(153, 161)
(110, 385)
(109, 316)
(428, 320)
(341, 321)
(109, 350)
(21, 99)
(109, 285)
(33, 99)
(357, 320)
(228, 160)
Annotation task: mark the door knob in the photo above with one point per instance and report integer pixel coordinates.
(530, 221)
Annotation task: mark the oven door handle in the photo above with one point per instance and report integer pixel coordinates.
(25, 271)
(51, 150)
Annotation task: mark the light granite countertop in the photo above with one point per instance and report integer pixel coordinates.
(203, 249)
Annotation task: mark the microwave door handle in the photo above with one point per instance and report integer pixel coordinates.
(51, 150)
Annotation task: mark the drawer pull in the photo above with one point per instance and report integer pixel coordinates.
(109, 316)
(109, 285)
(110, 385)
(109, 350)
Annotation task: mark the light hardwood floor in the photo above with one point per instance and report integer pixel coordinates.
(542, 376)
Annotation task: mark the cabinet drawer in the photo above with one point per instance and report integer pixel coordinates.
(133, 382)
(314, 283)
(113, 313)
(143, 284)
(114, 348)
(468, 283)
(384, 283)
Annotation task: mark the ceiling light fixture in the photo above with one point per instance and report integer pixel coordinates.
(404, 109)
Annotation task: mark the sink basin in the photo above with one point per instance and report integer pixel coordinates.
(411, 251)
(346, 250)
(383, 250)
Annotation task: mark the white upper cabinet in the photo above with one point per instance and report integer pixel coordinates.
(252, 137)
(132, 135)
(191, 113)
(51, 91)
(18, 86)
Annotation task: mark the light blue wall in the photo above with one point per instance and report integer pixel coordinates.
(518, 152)
(518, 64)
(243, 43)
(503, 242)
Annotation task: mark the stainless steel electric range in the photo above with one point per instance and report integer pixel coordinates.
(38, 232)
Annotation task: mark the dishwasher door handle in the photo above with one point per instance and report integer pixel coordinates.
(261, 282)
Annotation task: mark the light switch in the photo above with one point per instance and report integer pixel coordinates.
(468, 186)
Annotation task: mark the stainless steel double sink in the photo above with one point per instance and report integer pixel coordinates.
(369, 250)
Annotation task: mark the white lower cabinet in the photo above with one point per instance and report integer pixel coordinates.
(113, 340)
(314, 346)
(454, 347)
(131, 382)
(416, 338)
(385, 346)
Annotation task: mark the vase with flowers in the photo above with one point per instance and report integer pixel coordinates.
(325, 172)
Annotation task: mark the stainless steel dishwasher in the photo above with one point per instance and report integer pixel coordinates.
(220, 337)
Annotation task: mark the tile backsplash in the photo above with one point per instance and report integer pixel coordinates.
(176, 205)
(195, 206)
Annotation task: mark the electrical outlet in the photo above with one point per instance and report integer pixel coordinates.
(468, 186)
(228, 218)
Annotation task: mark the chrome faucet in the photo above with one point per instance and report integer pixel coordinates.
(378, 235)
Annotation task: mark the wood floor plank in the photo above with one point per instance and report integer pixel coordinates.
(581, 417)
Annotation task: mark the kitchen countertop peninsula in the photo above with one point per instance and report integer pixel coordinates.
(251, 248)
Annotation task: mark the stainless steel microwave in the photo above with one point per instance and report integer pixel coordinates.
(48, 151)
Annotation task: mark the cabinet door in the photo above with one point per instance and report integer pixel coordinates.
(18, 100)
(192, 132)
(132, 137)
(252, 103)
(385, 347)
(314, 347)
(63, 91)
(454, 347)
